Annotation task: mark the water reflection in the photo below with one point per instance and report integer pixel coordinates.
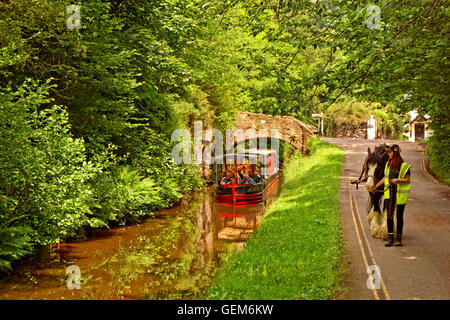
(173, 256)
(239, 221)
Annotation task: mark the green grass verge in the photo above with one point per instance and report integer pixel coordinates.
(296, 251)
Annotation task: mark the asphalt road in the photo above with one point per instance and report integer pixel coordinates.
(420, 269)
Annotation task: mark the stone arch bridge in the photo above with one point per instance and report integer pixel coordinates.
(289, 128)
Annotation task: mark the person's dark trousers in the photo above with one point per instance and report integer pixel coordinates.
(399, 214)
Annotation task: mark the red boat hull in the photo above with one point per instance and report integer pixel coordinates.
(248, 193)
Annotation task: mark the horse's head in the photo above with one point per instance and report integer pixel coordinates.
(373, 171)
(374, 165)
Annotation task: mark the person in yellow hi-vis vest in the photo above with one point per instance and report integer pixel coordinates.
(397, 185)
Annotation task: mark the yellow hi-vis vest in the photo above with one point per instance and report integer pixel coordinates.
(403, 189)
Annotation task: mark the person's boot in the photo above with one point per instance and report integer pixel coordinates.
(398, 240)
(390, 241)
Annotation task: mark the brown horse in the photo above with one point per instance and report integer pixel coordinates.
(373, 171)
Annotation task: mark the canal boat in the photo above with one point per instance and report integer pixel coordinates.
(260, 165)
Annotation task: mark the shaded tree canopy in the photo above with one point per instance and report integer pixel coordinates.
(87, 106)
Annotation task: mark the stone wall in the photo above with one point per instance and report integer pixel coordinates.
(351, 133)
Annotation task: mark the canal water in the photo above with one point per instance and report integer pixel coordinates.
(172, 256)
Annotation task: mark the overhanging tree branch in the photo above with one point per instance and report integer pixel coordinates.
(362, 76)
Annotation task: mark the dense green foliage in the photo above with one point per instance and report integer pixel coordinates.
(440, 153)
(295, 252)
(14, 244)
(86, 115)
(44, 170)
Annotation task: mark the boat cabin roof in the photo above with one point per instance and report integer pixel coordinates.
(249, 154)
(236, 155)
(258, 151)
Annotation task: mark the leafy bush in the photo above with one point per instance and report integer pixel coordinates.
(440, 153)
(14, 244)
(48, 183)
(151, 156)
(123, 195)
(43, 169)
(49, 190)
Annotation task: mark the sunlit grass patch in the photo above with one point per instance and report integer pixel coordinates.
(296, 252)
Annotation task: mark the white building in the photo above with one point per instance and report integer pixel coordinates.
(418, 127)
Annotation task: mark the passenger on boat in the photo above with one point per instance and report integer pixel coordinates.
(241, 171)
(227, 179)
(247, 179)
(258, 178)
(248, 169)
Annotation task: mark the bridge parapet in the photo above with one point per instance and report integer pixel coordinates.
(290, 129)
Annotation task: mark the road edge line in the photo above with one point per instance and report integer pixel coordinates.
(383, 285)
(423, 167)
(374, 291)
